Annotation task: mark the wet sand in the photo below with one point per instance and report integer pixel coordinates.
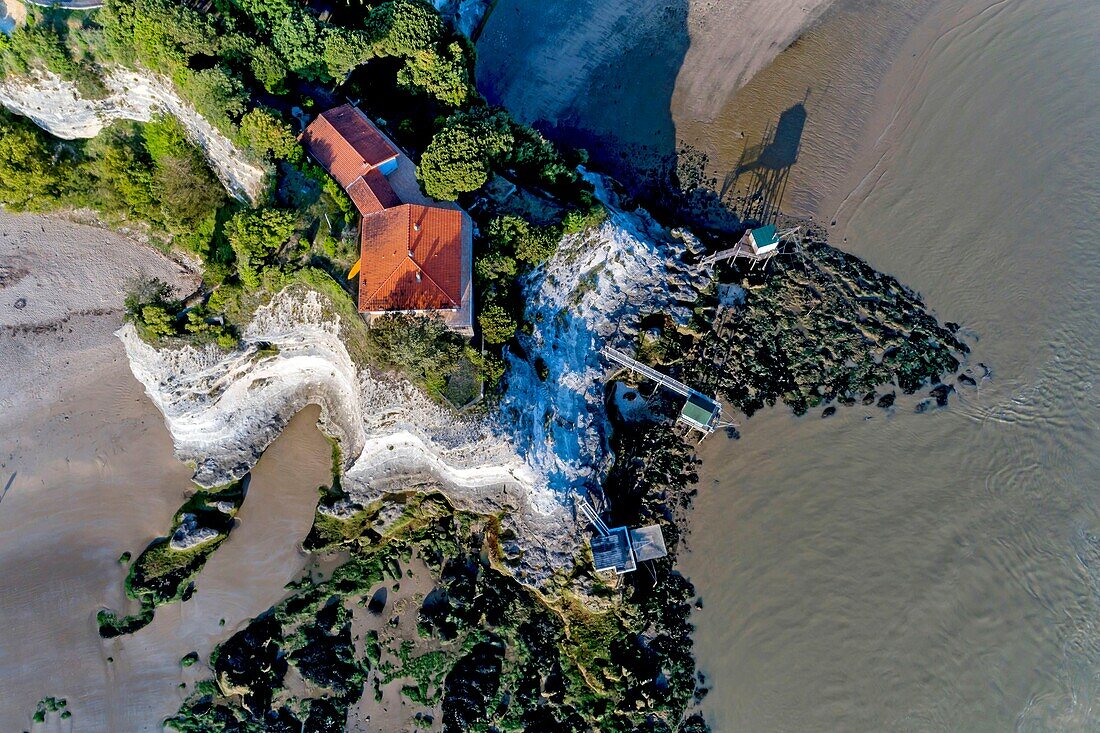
(808, 129)
(602, 74)
(87, 472)
(790, 134)
(96, 480)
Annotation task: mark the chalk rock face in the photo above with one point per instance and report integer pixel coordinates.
(224, 409)
(547, 443)
(225, 507)
(56, 106)
(465, 15)
(592, 294)
(343, 509)
(189, 534)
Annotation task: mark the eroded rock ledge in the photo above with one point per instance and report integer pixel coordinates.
(56, 106)
(224, 409)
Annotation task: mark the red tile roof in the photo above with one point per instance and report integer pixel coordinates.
(411, 259)
(346, 143)
(372, 192)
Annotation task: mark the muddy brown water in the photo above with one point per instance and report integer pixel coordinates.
(878, 571)
(936, 572)
(91, 476)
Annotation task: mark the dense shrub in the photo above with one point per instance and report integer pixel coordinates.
(255, 237)
(497, 324)
(461, 155)
(33, 173)
(421, 347)
(443, 75)
(263, 130)
(405, 27)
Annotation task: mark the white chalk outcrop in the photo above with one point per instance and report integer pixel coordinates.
(593, 293)
(224, 409)
(547, 442)
(56, 106)
(190, 534)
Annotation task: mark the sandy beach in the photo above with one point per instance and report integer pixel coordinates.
(612, 76)
(87, 471)
(783, 101)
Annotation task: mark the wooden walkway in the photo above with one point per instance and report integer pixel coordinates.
(699, 412)
(636, 366)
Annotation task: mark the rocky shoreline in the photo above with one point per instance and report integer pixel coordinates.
(471, 648)
(818, 327)
(465, 664)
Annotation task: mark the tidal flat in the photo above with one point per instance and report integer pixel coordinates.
(88, 474)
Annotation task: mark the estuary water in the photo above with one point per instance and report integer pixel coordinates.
(937, 572)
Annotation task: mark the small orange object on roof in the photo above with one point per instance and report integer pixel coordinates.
(347, 144)
(411, 259)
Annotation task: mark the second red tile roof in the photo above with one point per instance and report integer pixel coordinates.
(346, 143)
(412, 259)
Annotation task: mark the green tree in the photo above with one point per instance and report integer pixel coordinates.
(444, 76)
(187, 190)
(495, 266)
(125, 175)
(421, 347)
(267, 134)
(163, 35)
(165, 137)
(538, 244)
(403, 27)
(255, 236)
(497, 324)
(530, 242)
(268, 67)
(345, 49)
(196, 321)
(182, 183)
(158, 322)
(30, 174)
(297, 36)
(461, 155)
(37, 45)
(216, 93)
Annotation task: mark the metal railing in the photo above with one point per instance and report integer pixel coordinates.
(636, 366)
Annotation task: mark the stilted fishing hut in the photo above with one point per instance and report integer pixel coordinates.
(699, 412)
(756, 245)
(621, 549)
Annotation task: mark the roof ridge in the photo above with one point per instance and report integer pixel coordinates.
(431, 279)
(433, 282)
(396, 267)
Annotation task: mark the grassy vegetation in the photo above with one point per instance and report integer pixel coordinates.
(162, 574)
(819, 328)
(49, 705)
(484, 639)
(243, 67)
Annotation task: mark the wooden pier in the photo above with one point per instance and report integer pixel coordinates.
(700, 412)
(756, 245)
